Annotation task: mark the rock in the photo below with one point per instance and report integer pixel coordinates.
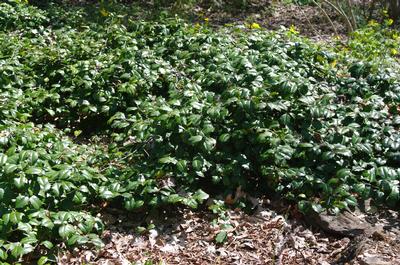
(169, 248)
(345, 224)
(373, 260)
(378, 236)
(323, 263)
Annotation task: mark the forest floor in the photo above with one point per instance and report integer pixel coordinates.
(308, 20)
(267, 236)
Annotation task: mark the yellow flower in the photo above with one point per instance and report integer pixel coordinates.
(206, 19)
(389, 22)
(394, 52)
(255, 26)
(104, 12)
(373, 23)
(293, 30)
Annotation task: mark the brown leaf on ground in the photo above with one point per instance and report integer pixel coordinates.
(265, 237)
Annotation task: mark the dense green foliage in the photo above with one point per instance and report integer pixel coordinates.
(378, 44)
(146, 114)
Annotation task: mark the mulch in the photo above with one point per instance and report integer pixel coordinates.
(267, 236)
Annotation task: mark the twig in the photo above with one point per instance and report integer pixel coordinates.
(327, 16)
(308, 20)
(345, 16)
(353, 18)
(340, 12)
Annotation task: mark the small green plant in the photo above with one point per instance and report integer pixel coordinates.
(376, 43)
(222, 220)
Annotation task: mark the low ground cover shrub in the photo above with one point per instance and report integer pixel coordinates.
(44, 179)
(147, 114)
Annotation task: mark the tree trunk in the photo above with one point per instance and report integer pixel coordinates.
(394, 9)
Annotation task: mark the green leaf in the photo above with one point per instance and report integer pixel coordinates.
(197, 164)
(35, 202)
(306, 145)
(317, 207)
(78, 198)
(191, 202)
(133, 204)
(21, 201)
(20, 182)
(33, 157)
(174, 198)
(44, 184)
(209, 144)
(221, 237)
(394, 195)
(344, 172)
(34, 171)
(65, 231)
(167, 160)
(43, 260)
(29, 239)
(73, 239)
(3, 159)
(15, 217)
(105, 193)
(96, 241)
(264, 137)
(3, 255)
(10, 168)
(195, 139)
(286, 119)
(6, 218)
(201, 195)
(46, 222)
(51, 112)
(47, 244)
(342, 150)
(182, 165)
(352, 201)
(224, 138)
(17, 250)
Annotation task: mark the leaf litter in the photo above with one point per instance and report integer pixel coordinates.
(268, 236)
